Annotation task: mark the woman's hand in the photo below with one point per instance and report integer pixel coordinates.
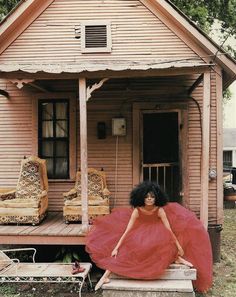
(114, 252)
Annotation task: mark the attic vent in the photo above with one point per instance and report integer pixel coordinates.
(95, 37)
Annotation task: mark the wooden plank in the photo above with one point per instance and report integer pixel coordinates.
(205, 148)
(219, 113)
(136, 144)
(83, 151)
(52, 220)
(42, 240)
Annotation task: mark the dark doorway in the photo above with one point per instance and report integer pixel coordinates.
(161, 151)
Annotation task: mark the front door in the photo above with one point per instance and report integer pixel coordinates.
(160, 151)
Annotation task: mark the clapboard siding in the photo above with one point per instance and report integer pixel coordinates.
(15, 132)
(194, 152)
(16, 136)
(136, 33)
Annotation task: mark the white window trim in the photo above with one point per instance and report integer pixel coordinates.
(106, 49)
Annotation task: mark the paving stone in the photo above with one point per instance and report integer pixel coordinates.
(153, 288)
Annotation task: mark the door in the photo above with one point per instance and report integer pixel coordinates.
(160, 151)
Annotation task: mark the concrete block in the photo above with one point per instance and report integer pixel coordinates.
(174, 272)
(152, 288)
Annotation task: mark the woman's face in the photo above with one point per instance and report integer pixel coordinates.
(149, 199)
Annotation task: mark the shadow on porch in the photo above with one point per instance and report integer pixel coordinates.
(52, 230)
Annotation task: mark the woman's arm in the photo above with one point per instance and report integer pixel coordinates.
(132, 219)
(163, 217)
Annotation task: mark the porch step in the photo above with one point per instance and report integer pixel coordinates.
(173, 272)
(175, 282)
(153, 288)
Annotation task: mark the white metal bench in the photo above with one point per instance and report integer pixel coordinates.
(14, 271)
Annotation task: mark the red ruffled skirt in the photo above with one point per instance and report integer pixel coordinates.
(148, 248)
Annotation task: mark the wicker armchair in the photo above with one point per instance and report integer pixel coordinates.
(28, 203)
(98, 197)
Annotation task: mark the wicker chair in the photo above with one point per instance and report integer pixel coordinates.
(98, 197)
(28, 203)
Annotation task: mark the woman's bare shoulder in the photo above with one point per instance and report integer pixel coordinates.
(161, 212)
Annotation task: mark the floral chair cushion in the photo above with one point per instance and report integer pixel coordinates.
(29, 183)
(95, 186)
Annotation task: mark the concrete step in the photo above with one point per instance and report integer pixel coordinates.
(152, 288)
(173, 272)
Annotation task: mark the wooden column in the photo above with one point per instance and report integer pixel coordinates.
(205, 148)
(219, 114)
(83, 152)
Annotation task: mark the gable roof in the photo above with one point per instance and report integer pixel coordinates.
(28, 10)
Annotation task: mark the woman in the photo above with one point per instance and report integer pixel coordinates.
(143, 241)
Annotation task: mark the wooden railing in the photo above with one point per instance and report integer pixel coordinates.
(165, 174)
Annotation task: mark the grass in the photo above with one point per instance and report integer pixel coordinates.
(224, 273)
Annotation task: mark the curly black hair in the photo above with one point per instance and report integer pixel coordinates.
(138, 194)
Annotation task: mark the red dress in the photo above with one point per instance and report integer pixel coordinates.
(148, 248)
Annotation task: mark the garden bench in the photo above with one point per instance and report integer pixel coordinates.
(14, 271)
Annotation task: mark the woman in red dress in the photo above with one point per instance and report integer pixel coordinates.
(142, 242)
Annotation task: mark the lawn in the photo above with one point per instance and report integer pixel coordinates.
(224, 273)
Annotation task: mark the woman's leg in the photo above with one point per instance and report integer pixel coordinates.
(103, 280)
(181, 260)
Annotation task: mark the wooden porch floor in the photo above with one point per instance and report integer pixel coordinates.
(51, 231)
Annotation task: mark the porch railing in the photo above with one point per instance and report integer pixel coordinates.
(166, 175)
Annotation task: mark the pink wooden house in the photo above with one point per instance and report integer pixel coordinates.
(138, 89)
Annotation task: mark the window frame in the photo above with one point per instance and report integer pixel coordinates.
(106, 49)
(72, 128)
(226, 167)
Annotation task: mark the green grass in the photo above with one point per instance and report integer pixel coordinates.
(225, 271)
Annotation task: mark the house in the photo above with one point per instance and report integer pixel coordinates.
(229, 149)
(130, 86)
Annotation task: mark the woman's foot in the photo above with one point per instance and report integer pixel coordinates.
(102, 281)
(181, 260)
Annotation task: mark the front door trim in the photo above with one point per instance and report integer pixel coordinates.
(152, 107)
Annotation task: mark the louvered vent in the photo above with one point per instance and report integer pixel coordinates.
(96, 36)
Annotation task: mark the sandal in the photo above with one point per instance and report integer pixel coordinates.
(76, 268)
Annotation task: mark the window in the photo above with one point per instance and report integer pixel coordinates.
(227, 160)
(53, 142)
(95, 37)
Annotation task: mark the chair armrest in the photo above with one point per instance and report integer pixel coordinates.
(43, 194)
(106, 193)
(21, 250)
(70, 195)
(8, 195)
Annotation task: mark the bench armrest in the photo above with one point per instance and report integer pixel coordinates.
(21, 250)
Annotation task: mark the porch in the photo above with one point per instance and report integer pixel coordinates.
(52, 231)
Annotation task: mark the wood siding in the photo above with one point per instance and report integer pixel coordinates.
(194, 151)
(114, 99)
(136, 34)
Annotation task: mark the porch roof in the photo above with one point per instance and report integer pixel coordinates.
(98, 65)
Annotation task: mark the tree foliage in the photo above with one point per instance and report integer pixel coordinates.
(205, 13)
(6, 6)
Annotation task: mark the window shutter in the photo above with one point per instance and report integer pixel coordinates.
(95, 36)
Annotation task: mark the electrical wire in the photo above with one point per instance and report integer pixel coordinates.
(116, 169)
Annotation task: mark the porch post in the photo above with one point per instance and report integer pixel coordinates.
(83, 152)
(205, 148)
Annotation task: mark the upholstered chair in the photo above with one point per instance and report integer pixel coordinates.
(98, 197)
(28, 203)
